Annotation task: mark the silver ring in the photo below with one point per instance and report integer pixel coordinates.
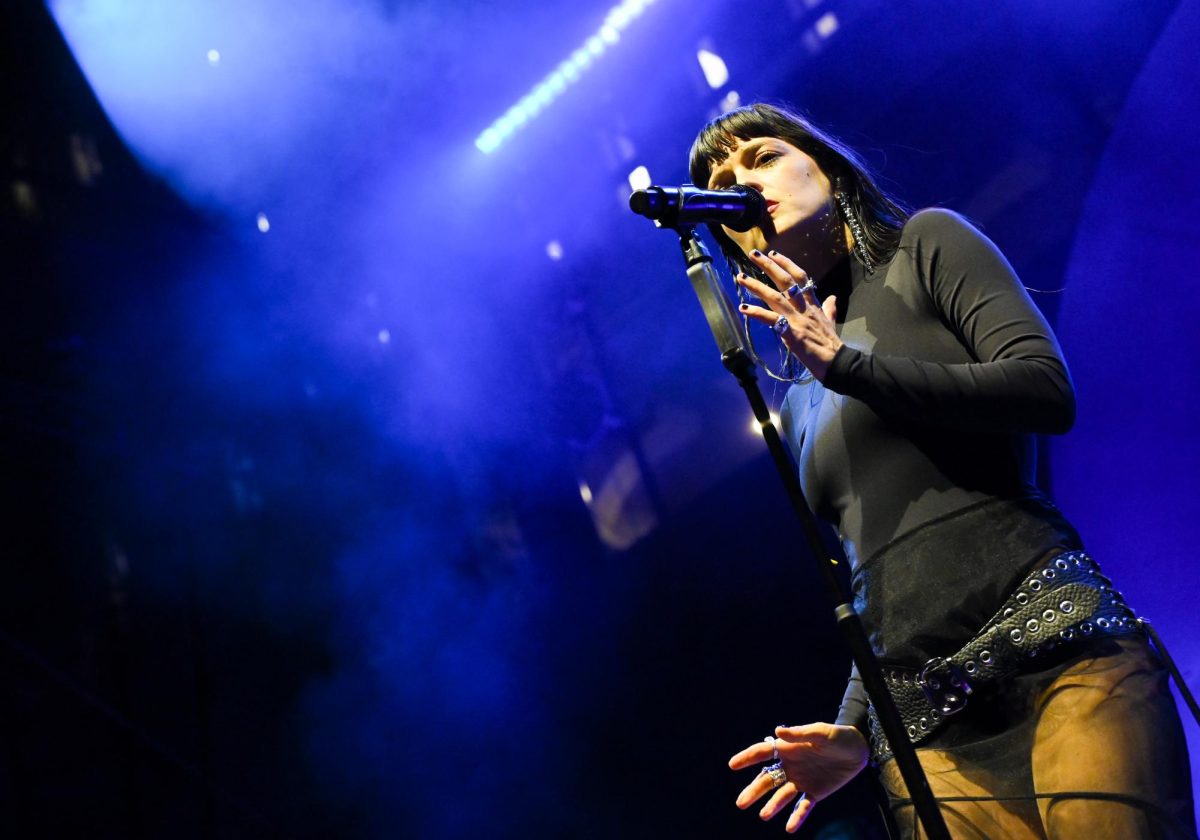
(780, 326)
(795, 290)
(775, 771)
(774, 742)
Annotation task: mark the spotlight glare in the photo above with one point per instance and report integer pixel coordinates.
(489, 141)
(757, 428)
(618, 18)
(639, 178)
(581, 58)
(554, 250)
(715, 71)
(826, 25)
(542, 96)
(567, 72)
(214, 57)
(264, 224)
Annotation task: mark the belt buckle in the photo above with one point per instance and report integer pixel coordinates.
(945, 685)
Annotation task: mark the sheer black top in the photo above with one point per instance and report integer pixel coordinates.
(919, 446)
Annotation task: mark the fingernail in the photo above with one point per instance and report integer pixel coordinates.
(772, 253)
(744, 307)
(756, 253)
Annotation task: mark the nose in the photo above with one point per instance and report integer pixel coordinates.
(749, 179)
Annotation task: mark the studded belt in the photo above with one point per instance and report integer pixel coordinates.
(1064, 601)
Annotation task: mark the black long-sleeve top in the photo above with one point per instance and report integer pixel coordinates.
(919, 445)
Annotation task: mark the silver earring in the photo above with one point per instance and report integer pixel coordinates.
(856, 228)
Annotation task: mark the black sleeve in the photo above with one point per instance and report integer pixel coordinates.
(1020, 382)
(853, 711)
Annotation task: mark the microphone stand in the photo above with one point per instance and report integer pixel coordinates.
(737, 359)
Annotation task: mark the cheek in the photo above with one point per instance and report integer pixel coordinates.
(816, 190)
(822, 184)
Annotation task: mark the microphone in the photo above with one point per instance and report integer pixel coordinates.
(738, 208)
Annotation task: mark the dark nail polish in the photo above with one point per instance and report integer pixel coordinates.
(756, 253)
(773, 253)
(743, 307)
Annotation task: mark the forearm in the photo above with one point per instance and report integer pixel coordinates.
(1027, 394)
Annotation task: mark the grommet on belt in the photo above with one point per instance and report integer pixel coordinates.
(1064, 601)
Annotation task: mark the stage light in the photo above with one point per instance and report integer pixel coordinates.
(581, 58)
(385, 336)
(585, 492)
(715, 71)
(639, 179)
(556, 82)
(214, 57)
(757, 428)
(264, 224)
(826, 25)
(730, 101)
(554, 249)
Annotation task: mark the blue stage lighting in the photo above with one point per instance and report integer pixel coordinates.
(568, 71)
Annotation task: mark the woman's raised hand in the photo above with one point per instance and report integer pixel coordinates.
(809, 332)
(815, 760)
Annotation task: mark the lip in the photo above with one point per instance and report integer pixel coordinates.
(771, 205)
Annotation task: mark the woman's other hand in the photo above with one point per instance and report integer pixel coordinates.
(810, 335)
(817, 759)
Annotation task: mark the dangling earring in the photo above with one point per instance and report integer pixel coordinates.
(856, 228)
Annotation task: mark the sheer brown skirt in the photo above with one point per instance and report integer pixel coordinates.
(1090, 748)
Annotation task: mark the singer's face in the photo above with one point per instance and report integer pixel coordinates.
(798, 194)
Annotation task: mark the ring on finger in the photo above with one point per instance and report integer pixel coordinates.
(780, 326)
(795, 290)
(775, 771)
(774, 742)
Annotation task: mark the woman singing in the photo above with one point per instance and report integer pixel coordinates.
(929, 371)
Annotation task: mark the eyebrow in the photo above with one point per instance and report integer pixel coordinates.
(752, 145)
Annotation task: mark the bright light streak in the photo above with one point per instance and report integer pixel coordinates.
(561, 77)
(715, 71)
(585, 492)
(264, 224)
(827, 25)
(639, 179)
(757, 428)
